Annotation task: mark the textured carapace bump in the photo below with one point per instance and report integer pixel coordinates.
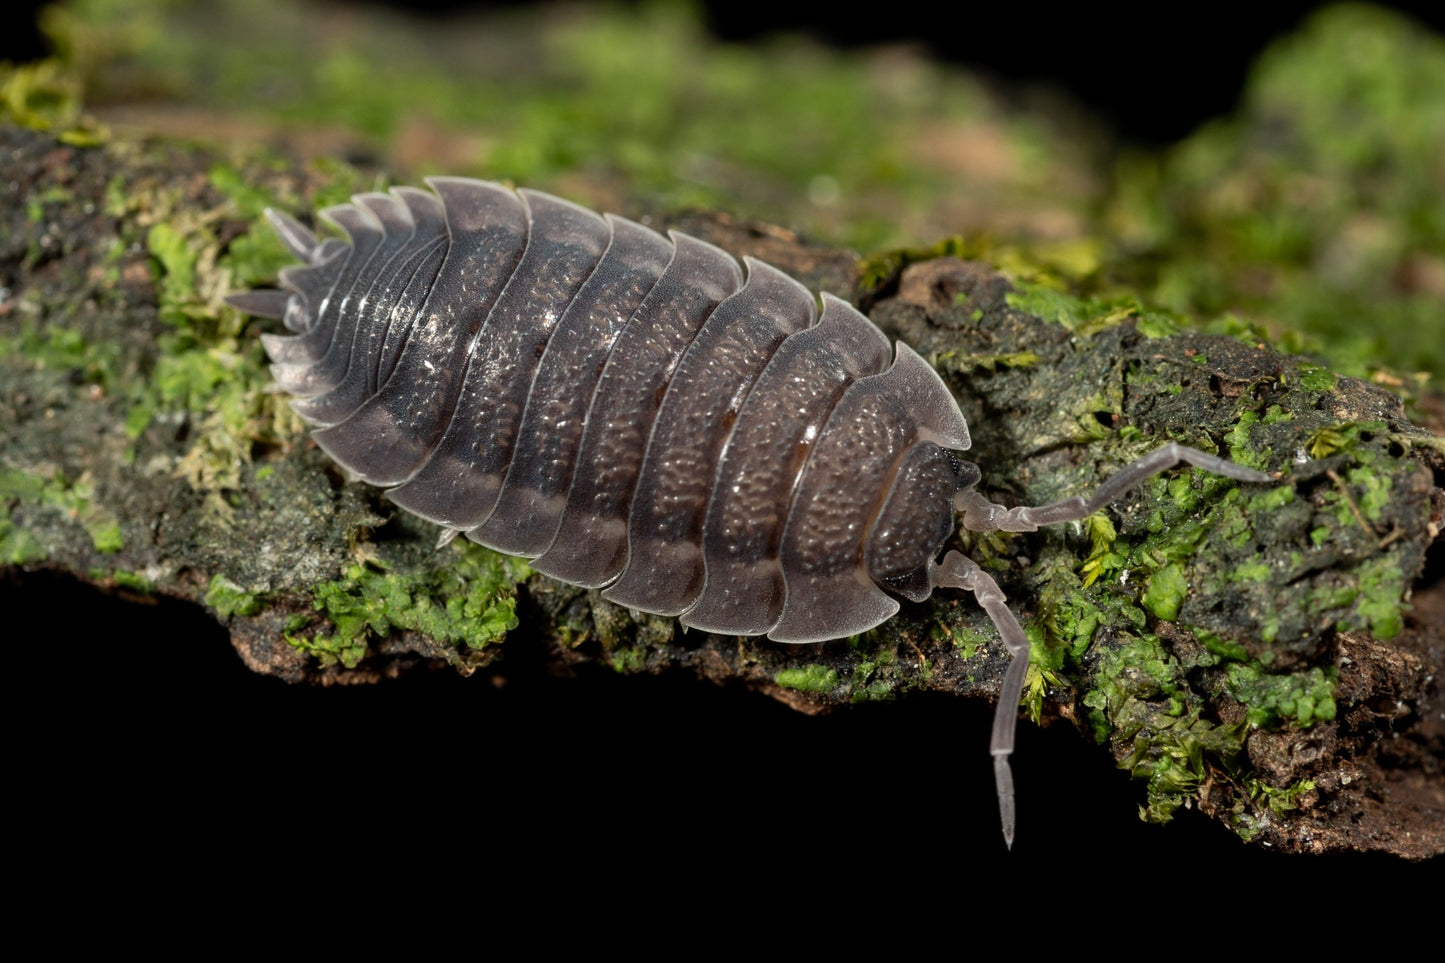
(634, 413)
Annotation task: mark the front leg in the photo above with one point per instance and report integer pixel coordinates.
(982, 515)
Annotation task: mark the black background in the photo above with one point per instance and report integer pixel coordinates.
(1151, 75)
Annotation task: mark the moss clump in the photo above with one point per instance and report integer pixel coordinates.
(210, 368)
(1089, 315)
(809, 678)
(85, 361)
(133, 582)
(627, 660)
(18, 546)
(470, 604)
(228, 598)
(1167, 588)
(875, 679)
(1381, 587)
(72, 499)
(1147, 701)
(47, 96)
(965, 641)
(1142, 703)
(1270, 699)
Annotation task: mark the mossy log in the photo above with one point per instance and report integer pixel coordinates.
(1254, 652)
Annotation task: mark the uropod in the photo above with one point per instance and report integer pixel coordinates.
(643, 415)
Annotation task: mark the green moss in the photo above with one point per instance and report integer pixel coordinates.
(1270, 699)
(626, 660)
(1276, 415)
(1240, 329)
(469, 603)
(1046, 661)
(104, 531)
(880, 269)
(1156, 324)
(952, 361)
(1070, 615)
(1280, 800)
(249, 200)
(1241, 447)
(1160, 712)
(228, 599)
(72, 499)
(1315, 378)
(1342, 437)
(54, 348)
(634, 96)
(1270, 499)
(1250, 572)
(1089, 315)
(35, 208)
(1360, 498)
(133, 582)
(47, 96)
(1176, 760)
(1142, 702)
(1054, 305)
(1373, 491)
(210, 365)
(340, 649)
(1380, 606)
(1234, 524)
(106, 536)
(19, 546)
(256, 257)
(1266, 804)
(965, 641)
(27, 487)
(338, 182)
(875, 677)
(1220, 646)
(1166, 591)
(176, 258)
(880, 690)
(809, 678)
(1106, 554)
(1310, 203)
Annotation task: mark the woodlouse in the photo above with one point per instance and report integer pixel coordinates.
(638, 413)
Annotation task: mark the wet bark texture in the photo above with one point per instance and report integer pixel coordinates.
(173, 492)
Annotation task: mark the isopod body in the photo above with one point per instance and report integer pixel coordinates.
(632, 412)
(642, 414)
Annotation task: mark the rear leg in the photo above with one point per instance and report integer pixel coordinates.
(960, 571)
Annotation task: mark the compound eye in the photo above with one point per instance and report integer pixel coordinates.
(916, 520)
(967, 472)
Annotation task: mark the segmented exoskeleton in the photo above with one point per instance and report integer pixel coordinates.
(643, 415)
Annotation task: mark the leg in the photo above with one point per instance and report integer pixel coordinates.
(982, 515)
(958, 571)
